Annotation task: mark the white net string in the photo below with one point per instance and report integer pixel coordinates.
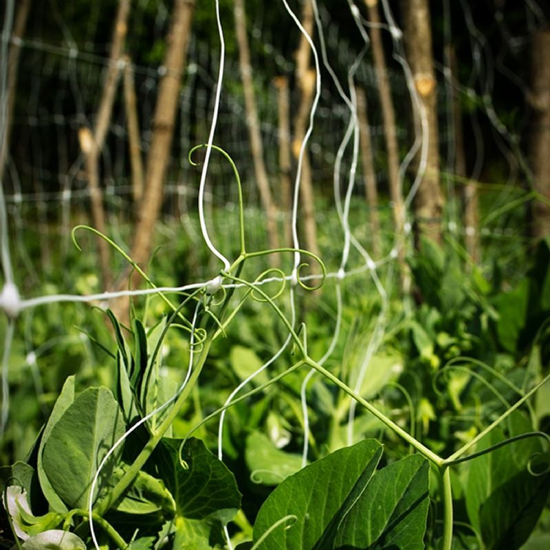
(213, 104)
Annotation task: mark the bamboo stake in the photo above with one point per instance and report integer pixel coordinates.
(163, 130)
(253, 125)
(285, 160)
(418, 39)
(134, 141)
(390, 136)
(368, 169)
(91, 143)
(14, 54)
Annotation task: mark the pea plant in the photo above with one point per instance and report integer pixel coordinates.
(107, 471)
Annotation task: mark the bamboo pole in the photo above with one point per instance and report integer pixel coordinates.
(539, 146)
(429, 200)
(134, 141)
(163, 130)
(14, 54)
(253, 125)
(369, 176)
(285, 159)
(92, 142)
(390, 136)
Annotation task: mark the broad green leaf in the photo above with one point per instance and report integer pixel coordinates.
(78, 443)
(203, 488)
(424, 344)
(143, 543)
(267, 464)
(365, 425)
(392, 511)
(123, 393)
(54, 540)
(245, 362)
(512, 311)
(139, 369)
(193, 534)
(146, 495)
(64, 401)
(383, 368)
(315, 496)
(334, 528)
(121, 343)
(503, 499)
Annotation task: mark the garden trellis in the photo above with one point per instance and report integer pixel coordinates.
(211, 112)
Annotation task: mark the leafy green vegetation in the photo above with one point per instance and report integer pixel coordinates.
(446, 446)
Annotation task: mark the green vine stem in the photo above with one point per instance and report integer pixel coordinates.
(447, 495)
(494, 424)
(103, 523)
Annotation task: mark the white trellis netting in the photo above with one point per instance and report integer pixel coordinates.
(37, 189)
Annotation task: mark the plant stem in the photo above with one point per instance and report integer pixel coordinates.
(128, 478)
(105, 525)
(146, 452)
(422, 449)
(492, 426)
(447, 494)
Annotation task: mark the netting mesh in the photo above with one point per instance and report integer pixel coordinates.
(64, 56)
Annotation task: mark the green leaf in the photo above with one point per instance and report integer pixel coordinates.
(314, 496)
(393, 511)
(143, 543)
(203, 488)
(146, 495)
(245, 362)
(121, 343)
(123, 393)
(192, 534)
(54, 540)
(424, 344)
(383, 368)
(512, 311)
(339, 502)
(64, 401)
(334, 528)
(139, 369)
(267, 464)
(78, 443)
(504, 500)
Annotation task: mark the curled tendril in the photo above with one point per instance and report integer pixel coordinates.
(530, 465)
(302, 284)
(170, 323)
(183, 463)
(254, 476)
(257, 297)
(237, 180)
(299, 279)
(215, 303)
(468, 369)
(286, 521)
(503, 444)
(133, 264)
(453, 363)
